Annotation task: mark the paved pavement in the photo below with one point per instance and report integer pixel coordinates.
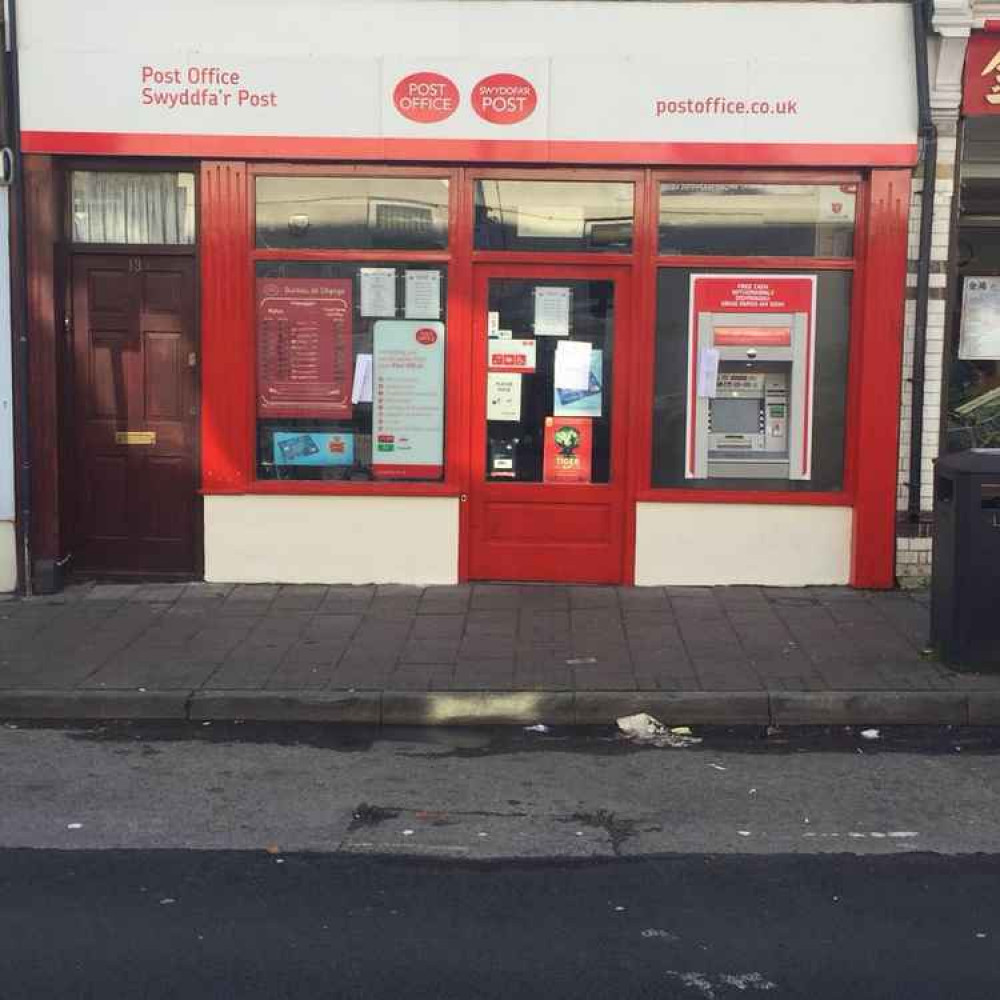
(507, 653)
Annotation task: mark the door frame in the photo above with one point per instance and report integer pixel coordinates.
(621, 472)
(69, 503)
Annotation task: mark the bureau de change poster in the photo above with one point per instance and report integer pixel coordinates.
(305, 352)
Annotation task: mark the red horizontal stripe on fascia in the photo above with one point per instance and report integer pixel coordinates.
(475, 150)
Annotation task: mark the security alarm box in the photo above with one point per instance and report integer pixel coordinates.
(750, 408)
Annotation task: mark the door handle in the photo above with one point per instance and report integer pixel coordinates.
(463, 497)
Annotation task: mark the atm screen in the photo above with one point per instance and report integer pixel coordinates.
(735, 416)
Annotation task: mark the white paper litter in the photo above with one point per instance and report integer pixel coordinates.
(643, 728)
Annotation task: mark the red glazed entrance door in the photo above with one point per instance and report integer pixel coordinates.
(548, 497)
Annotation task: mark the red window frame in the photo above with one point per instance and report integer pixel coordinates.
(645, 492)
(228, 257)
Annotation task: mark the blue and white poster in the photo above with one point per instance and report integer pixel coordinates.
(313, 448)
(582, 402)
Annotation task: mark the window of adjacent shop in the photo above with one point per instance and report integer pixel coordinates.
(132, 207)
(752, 336)
(972, 414)
(350, 292)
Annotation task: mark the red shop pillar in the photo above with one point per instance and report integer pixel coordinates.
(876, 444)
(226, 334)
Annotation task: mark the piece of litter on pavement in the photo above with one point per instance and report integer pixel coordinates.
(166, 901)
(870, 734)
(206, 723)
(279, 861)
(718, 767)
(538, 728)
(578, 660)
(619, 909)
(643, 728)
(980, 935)
(579, 833)
(74, 826)
(753, 791)
(482, 834)
(407, 833)
(142, 689)
(743, 833)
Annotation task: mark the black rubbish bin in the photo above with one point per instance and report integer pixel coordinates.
(965, 580)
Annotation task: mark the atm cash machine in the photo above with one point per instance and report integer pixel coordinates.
(755, 419)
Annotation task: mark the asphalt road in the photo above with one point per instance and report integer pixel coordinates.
(230, 861)
(224, 924)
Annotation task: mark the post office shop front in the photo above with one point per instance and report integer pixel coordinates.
(483, 291)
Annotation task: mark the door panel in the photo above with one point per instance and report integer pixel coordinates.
(547, 498)
(136, 405)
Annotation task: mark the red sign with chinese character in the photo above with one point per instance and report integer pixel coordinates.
(981, 87)
(568, 450)
(305, 352)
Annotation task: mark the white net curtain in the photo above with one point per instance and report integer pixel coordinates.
(116, 207)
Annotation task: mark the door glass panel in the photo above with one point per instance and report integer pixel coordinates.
(548, 380)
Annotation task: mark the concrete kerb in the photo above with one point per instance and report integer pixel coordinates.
(73, 704)
(514, 708)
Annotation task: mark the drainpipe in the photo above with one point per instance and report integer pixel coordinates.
(19, 297)
(928, 151)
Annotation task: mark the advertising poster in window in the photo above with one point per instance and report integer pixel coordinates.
(568, 450)
(311, 448)
(305, 362)
(408, 404)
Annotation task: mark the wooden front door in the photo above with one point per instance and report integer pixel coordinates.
(135, 427)
(548, 494)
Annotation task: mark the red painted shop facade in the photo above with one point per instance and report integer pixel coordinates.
(486, 319)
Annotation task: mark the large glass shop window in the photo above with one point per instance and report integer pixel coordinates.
(356, 213)
(540, 332)
(350, 371)
(554, 216)
(775, 220)
(750, 379)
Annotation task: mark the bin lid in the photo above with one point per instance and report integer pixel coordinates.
(984, 461)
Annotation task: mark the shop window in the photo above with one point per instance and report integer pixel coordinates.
(750, 380)
(132, 208)
(357, 213)
(777, 220)
(555, 216)
(350, 371)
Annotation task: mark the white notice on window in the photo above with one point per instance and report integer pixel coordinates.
(708, 372)
(361, 392)
(572, 368)
(979, 339)
(423, 294)
(492, 324)
(378, 291)
(552, 312)
(503, 396)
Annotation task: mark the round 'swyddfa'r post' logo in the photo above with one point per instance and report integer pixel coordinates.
(504, 98)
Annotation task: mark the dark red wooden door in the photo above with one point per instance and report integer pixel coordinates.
(135, 432)
(530, 517)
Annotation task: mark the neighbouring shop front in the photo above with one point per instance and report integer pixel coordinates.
(971, 417)
(429, 292)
